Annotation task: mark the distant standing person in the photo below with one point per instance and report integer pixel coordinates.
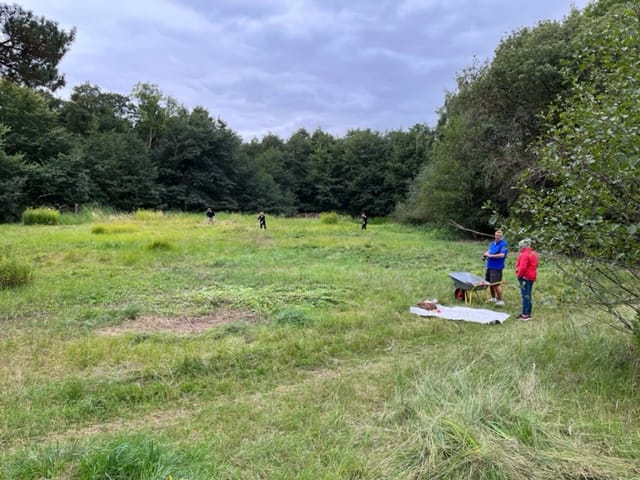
(527, 273)
(262, 220)
(363, 220)
(496, 256)
(210, 214)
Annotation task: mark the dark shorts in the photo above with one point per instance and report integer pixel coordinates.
(493, 276)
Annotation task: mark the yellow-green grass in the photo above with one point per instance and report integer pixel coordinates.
(177, 349)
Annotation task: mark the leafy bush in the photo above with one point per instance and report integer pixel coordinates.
(14, 274)
(330, 218)
(41, 216)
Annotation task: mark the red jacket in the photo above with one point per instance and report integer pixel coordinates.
(527, 264)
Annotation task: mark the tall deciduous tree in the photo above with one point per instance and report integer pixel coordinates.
(63, 182)
(257, 188)
(296, 169)
(89, 110)
(196, 158)
(408, 152)
(35, 135)
(326, 172)
(153, 111)
(12, 181)
(31, 48)
(34, 128)
(487, 127)
(365, 155)
(584, 199)
(120, 171)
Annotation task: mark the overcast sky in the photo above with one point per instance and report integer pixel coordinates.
(274, 66)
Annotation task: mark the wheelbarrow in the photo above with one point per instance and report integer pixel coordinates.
(467, 285)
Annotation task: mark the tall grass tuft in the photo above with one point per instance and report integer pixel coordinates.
(101, 229)
(84, 215)
(292, 316)
(159, 244)
(14, 274)
(142, 214)
(41, 216)
(45, 462)
(329, 218)
(128, 458)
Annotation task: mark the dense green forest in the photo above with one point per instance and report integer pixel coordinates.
(146, 150)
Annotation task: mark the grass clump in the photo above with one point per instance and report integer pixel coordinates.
(159, 244)
(41, 216)
(127, 458)
(292, 316)
(329, 218)
(14, 274)
(80, 216)
(102, 229)
(146, 215)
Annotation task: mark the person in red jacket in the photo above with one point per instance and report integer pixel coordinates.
(527, 273)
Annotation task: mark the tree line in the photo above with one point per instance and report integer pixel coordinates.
(146, 150)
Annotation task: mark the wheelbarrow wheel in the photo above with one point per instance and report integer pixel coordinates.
(458, 294)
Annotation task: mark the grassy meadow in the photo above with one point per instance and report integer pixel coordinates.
(159, 347)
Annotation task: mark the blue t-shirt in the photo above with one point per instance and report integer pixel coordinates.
(497, 247)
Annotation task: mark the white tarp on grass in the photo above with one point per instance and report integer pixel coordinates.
(468, 314)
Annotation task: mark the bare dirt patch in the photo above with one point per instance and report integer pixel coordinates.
(180, 325)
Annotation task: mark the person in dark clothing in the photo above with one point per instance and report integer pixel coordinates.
(363, 219)
(262, 220)
(210, 214)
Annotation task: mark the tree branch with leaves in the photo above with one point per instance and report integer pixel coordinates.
(31, 48)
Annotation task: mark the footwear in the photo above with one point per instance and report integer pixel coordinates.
(492, 300)
(524, 318)
(499, 302)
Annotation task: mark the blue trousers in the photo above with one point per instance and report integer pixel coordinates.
(525, 291)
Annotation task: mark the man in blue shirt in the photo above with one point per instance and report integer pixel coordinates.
(496, 256)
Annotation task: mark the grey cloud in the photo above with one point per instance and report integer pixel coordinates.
(279, 65)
